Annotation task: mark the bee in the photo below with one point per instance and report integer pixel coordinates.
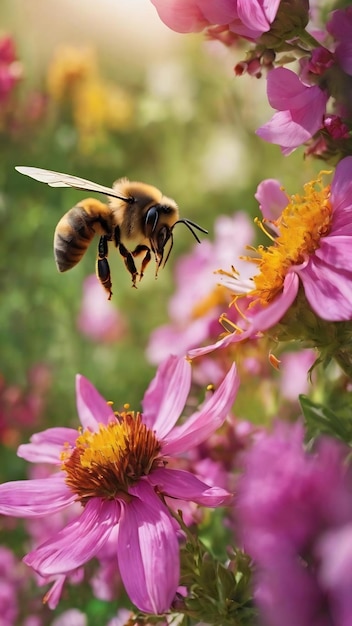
(138, 220)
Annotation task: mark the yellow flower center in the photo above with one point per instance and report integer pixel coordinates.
(105, 463)
(219, 296)
(302, 224)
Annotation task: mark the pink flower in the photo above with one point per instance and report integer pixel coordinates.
(248, 18)
(116, 467)
(340, 26)
(98, 318)
(195, 307)
(313, 249)
(300, 110)
(294, 369)
(71, 617)
(10, 69)
(294, 510)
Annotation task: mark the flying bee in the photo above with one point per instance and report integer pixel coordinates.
(137, 215)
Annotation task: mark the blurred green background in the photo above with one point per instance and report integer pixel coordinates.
(104, 90)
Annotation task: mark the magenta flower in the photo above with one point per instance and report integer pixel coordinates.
(340, 26)
(248, 18)
(294, 510)
(313, 249)
(10, 68)
(115, 466)
(300, 110)
(198, 300)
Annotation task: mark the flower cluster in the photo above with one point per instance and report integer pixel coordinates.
(294, 515)
(198, 514)
(97, 106)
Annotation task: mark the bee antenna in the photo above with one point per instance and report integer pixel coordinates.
(170, 248)
(191, 225)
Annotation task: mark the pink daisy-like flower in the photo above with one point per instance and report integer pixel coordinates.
(294, 517)
(198, 300)
(300, 110)
(313, 248)
(116, 467)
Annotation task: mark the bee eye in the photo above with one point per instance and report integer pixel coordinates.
(162, 237)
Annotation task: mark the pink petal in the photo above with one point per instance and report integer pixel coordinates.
(252, 15)
(270, 315)
(284, 131)
(35, 498)
(221, 343)
(219, 12)
(47, 446)
(272, 199)
(166, 395)
(204, 422)
(340, 25)
(341, 187)
(185, 486)
(336, 251)
(343, 54)
(91, 407)
(52, 597)
(148, 552)
(286, 92)
(328, 290)
(180, 338)
(270, 8)
(78, 542)
(183, 16)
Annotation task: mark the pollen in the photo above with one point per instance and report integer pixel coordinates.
(301, 226)
(107, 462)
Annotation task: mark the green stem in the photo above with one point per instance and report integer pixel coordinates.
(309, 40)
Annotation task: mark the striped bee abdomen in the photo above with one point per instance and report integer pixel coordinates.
(77, 228)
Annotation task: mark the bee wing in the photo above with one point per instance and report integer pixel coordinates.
(57, 179)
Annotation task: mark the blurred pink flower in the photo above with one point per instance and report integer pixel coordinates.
(22, 408)
(71, 617)
(115, 465)
(10, 68)
(248, 18)
(294, 508)
(98, 318)
(300, 110)
(294, 368)
(313, 248)
(340, 27)
(9, 587)
(195, 307)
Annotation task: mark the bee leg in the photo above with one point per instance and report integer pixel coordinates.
(146, 259)
(102, 266)
(129, 263)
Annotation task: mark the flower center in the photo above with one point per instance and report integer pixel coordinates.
(219, 296)
(302, 224)
(105, 463)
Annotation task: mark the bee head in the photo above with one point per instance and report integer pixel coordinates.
(160, 221)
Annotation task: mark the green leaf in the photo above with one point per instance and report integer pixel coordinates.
(322, 420)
